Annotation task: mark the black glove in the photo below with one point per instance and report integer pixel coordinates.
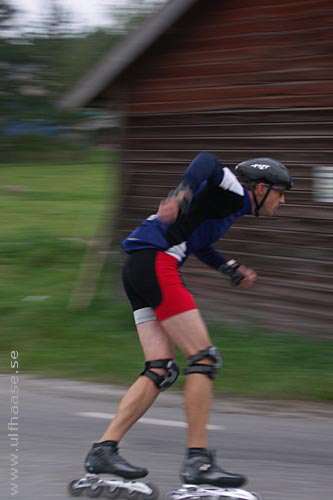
(230, 269)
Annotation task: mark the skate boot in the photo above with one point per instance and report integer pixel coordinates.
(103, 458)
(201, 469)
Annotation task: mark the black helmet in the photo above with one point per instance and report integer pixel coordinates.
(264, 170)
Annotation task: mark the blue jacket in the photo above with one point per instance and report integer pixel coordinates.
(218, 200)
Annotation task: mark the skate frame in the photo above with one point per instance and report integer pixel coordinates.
(94, 481)
(195, 492)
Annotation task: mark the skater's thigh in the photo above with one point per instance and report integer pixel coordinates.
(155, 342)
(188, 331)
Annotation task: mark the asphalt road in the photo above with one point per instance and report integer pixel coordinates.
(287, 452)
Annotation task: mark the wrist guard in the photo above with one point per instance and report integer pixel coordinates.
(230, 269)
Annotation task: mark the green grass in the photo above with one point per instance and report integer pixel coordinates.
(65, 200)
(100, 343)
(276, 365)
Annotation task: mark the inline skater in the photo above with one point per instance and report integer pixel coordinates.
(193, 217)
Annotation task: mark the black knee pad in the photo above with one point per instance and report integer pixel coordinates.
(162, 382)
(210, 370)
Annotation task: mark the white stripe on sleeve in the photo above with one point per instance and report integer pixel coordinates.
(231, 183)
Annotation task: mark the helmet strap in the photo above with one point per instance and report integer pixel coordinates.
(259, 205)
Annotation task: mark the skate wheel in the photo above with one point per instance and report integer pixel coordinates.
(74, 492)
(155, 492)
(112, 493)
(138, 495)
(132, 495)
(95, 492)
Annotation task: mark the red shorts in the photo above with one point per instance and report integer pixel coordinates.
(154, 286)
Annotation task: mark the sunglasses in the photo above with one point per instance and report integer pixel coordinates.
(280, 190)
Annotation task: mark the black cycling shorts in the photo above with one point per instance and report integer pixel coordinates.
(154, 286)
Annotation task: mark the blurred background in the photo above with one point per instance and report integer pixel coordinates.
(103, 105)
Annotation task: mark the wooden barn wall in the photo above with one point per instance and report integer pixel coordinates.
(243, 79)
(239, 54)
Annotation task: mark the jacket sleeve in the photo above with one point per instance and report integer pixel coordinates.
(204, 167)
(211, 257)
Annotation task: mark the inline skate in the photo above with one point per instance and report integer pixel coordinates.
(204, 479)
(104, 458)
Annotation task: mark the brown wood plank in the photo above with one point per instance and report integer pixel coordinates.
(242, 102)
(223, 93)
(235, 118)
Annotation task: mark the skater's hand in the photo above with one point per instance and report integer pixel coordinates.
(250, 276)
(169, 208)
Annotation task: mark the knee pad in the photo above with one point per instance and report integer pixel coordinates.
(210, 370)
(165, 381)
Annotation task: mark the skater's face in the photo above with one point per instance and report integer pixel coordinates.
(275, 198)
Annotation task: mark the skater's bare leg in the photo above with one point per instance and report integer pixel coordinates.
(141, 395)
(190, 333)
(197, 401)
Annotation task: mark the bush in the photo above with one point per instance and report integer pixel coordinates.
(32, 148)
